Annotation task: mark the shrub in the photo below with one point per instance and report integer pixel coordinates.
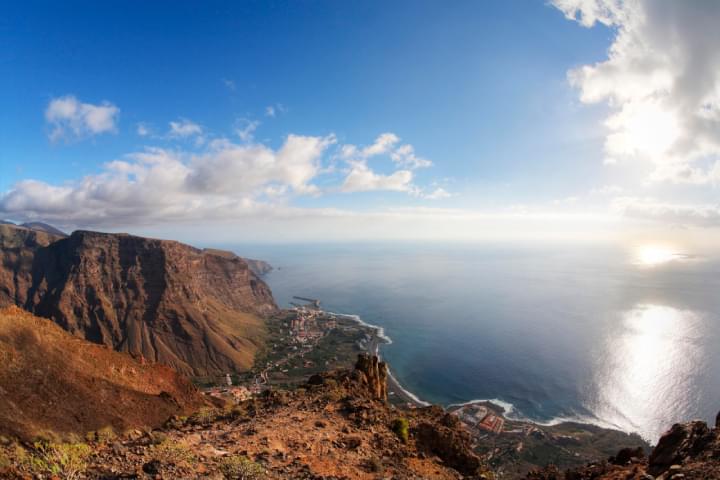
(105, 434)
(66, 460)
(401, 427)
(204, 416)
(239, 467)
(156, 438)
(173, 452)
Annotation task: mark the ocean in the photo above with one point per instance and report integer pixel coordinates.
(604, 335)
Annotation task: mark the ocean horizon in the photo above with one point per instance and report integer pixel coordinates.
(551, 333)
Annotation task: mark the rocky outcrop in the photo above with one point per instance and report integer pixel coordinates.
(682, 442)
(259, 267)
(444, 437)
(53, 383)
(197, 311)
(686, 451)
(373, 374)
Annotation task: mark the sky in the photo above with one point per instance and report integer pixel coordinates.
(282, 121)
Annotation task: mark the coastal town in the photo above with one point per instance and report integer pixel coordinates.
(304, 340)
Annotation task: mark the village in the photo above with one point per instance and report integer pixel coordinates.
(293, 353)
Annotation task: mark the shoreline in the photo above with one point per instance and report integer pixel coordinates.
(509, 412)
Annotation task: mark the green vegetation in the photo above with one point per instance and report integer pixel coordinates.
(105, 434)
(65, 460)
(401, 427)
(173, 452)
(205, 416)
(238, 467)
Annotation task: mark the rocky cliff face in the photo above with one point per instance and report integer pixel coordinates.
(194, 310)
(53, 382)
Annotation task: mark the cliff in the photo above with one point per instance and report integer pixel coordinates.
(194, 310)
(54, 384)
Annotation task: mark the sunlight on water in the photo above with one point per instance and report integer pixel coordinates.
(652, 255)
(645, 373)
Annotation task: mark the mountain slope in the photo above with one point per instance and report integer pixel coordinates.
(53, 382)
(196, 311)
(44, 227)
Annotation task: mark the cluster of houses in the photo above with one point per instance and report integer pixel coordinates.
(307, 325)
(480, 417)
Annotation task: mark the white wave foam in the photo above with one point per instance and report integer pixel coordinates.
(509, 408)
(408, 392)
(513, 413)
(380, 331)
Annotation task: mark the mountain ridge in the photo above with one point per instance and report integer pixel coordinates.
(197, 311)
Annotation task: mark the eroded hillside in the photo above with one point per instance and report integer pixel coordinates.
(197, 311)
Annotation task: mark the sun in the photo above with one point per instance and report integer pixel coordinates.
(652, 255)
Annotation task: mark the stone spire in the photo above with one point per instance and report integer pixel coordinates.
(373, 374)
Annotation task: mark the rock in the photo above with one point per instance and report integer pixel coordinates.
(152, 467)
(682, 441)
(625, 456)
(373, 374)
(316, 380)
(451, 445)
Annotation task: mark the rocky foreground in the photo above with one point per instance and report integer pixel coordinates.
(338, 425)
(688, 451)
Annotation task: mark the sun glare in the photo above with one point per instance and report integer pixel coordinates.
(651, 255)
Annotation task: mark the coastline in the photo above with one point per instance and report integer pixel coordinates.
(373, 347)
(507, 409)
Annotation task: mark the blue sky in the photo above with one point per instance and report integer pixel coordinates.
(480, 93)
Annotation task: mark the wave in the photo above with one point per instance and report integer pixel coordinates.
(512, 413)
(378, 329)
(407, 392)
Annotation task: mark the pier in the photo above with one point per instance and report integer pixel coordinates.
(315, 302)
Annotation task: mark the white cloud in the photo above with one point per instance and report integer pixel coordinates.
(184, 128)
(273, 110)
(71, 119)
(158, 185)
(245, 129)
(229, 84)
(680, 214)
(438, 194)
(606, 190)
(386, 144)
(362, 179)
(383, 144)
(143, 130)
(405, 157)
(661, 81)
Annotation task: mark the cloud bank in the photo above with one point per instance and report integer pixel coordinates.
(661, 81)
(70, 119)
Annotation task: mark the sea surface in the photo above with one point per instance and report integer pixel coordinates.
(611, 336)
